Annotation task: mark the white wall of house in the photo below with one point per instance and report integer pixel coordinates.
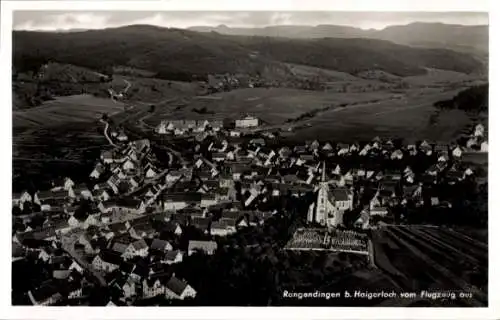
(177, 205)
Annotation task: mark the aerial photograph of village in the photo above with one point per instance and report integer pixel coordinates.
(250, 158)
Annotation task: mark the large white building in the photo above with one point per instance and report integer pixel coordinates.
(247, 122)
(330, 205)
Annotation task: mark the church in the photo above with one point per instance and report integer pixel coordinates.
(330, 204)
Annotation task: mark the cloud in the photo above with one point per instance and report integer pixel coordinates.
(57, 20)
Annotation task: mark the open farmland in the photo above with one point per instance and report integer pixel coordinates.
(440, 259)
(63, 110)
(275, 105)
(436, 77)
(332, 116)
(42, 154)
(407, 117)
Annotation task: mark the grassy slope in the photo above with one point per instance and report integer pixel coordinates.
(64, 110)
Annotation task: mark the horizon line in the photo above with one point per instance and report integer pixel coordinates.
(238, 27)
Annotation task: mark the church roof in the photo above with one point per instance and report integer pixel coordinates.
(339, 194)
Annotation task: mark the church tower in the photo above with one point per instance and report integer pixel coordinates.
(318, 212)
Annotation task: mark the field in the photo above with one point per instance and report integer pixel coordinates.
(406, 117)
(274, 105)
(435, 77)
(42, 154)
(426, 258)
(349, 116)
(63, 110)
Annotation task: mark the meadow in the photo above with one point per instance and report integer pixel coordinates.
(348, 116)
(63, 110)
(406, 118)
(273, 105)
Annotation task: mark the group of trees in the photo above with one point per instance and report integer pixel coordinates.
(473, 100)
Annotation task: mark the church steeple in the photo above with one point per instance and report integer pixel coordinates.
(323, 173)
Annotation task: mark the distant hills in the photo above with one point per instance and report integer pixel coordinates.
(180, 54)
(435, 35)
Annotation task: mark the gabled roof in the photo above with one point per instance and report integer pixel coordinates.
(201, 223)
(171, 255)
(176, 285)
(110, 257)
(203, 245)
(45, 291)
(183, 197)
(119, 247)
(340, 194)
(139, 244)
(159, 244)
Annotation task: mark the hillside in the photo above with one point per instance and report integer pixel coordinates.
(183, 55)
(431, 35)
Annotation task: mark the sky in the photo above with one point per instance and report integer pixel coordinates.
(65, 20)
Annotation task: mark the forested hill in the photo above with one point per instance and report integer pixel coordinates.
(474, 99)
(175, 51)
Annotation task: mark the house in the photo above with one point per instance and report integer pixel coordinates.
(397, 155)
(160, 245)
(342, 198)
(80, 191)
(102, 194)
(177, 201)
(120, 246)
(479, 130)
(484, 146)
(378, 211)
(129, 288)
(342, 149)
(173, 176)
(414, 191)
(68, 184)
(234, 134)
(208, 247)
(457, 152)
(137, 248)
(153, 286)
(174, 256)
(218, 156)
(75, 266)
(107, 157)
(98, 171)
(85, 240)
(443, 157)
(45, 295)
(174, 228)
(434, 201)
(55, 196)
(363, 220)
(178, 289)
(74, 290)
(150, 172)
(327, 147)
(201, 223)
(134, 206)
(19, 198)
(221, 228)
(122, 137)
(107, 261)
(247, 122)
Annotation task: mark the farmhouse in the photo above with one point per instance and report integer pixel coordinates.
(208, 247)
(107, 261)
(178, 289)
(247, 122)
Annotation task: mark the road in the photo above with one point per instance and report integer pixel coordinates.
(68, 244)
(106, 133)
